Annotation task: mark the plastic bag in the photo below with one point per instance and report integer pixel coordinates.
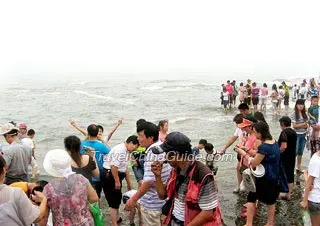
(96, 214)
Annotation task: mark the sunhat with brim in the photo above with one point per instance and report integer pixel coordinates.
(8, 128)
(57, 163)
(245, 123)
(259, 171)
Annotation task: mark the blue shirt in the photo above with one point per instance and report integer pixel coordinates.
(100, 151)
(271, 160)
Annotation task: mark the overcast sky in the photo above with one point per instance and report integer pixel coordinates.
(64, 36)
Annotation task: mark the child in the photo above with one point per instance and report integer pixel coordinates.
(125, 198)
(313, 113)
(211, 152)
(225, 95)
(311, 199)
(196, 150)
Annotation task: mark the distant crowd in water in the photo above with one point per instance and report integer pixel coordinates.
(256, 95)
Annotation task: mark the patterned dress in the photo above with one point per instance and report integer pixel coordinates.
(68, 201)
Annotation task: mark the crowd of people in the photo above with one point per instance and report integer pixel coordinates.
(173, 188)
(254, 95)
(267, 166)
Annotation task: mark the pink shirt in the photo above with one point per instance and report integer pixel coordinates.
(264, 91)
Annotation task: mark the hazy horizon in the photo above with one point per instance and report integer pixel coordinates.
(226, 38)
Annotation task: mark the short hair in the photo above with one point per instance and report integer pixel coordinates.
(203, 141)
(150, 130)
(41, 183)
(208, 147)
(139, 121)
(285, 121)
(93, 130)
(162, 123)
(243, 106)
(251, 118)
(265, 85)
(314, 97)
(254, 83)
(241, 83)
(280, 87)
(31, 132)
(132, 139)
(238, 118)
(100, 127)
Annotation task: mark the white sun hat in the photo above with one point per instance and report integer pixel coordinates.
(7, 128)
(57, 163)
(259, 171)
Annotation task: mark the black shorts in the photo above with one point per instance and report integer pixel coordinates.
(255, 100)
(266, 192)
(247, 100)
(113, 196)
(286, 100)
(289, 169)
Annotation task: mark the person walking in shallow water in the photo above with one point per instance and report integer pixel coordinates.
(300, 125)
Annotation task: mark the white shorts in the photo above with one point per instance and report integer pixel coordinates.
(151, 217)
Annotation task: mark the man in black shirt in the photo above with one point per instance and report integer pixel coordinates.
(287, 141)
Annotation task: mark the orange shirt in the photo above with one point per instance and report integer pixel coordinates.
(22, 185)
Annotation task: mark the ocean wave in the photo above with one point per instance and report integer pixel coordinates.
(152, 88)
(111, 99)
(50, 93)
(78, 83)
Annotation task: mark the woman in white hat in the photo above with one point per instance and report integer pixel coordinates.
(68, 193)
(267, 187)
(16, 208)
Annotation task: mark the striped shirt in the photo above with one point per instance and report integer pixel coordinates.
(208, 197)
(150, 200)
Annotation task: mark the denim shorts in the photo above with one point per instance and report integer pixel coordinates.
(314, 208)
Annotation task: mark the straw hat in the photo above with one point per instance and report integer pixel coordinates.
(57, 163)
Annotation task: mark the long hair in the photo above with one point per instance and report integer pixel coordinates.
(73, 144)
(303, 111)
(264, 130)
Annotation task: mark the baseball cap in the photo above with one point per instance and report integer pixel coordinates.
(245, 123)
(177, 142)
(22, 126)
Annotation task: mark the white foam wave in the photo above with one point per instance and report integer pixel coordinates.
(179, 119)
(77, 83)
(111, 99)
(152, 88)
(50, 93)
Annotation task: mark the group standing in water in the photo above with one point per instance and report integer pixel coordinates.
(255, 95)
(173, 187)
(280, 159)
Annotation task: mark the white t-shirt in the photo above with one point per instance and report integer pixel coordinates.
(28, 141)
(314, 170)
(303, 91)
(225, 95)
(119, 157)
(239, 133)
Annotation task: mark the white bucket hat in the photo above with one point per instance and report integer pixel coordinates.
(8, 127)
(57, 163)
(259, 171)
